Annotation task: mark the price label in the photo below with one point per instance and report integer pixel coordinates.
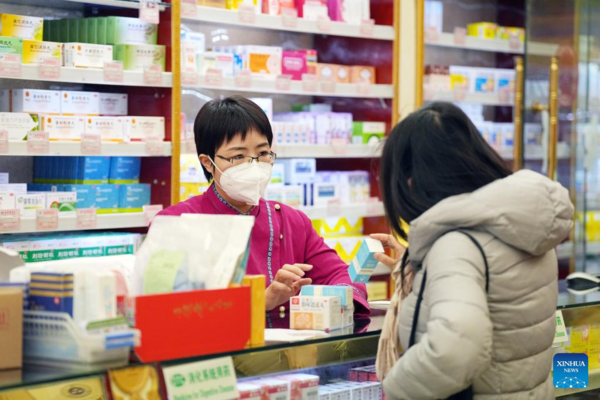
(374, 207)
(289, 18)
(334, 208)
(10, 65)
(153, 75)
(4, 142)
(367, 27)
(214, 77)
(560, 335)
(150, 11)
(47, 220)
(181, 383)
(504, 94)
(324, 24)
(309, 82)
(49, 68)
(189, 8)
(460, 36)
(91, 144)
(154, 147)
(328, 86)
(514, 42)
(283, 83)
(339, 146)
(10, 220)
(38, 142)
(151, 211)
(363, 88)
(113, 71)
(460, 92)
(243, 79)
(247, 14)
(86, 218)
(189, 78)
(431, 34)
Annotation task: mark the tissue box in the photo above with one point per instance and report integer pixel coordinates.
(84, 55)
(136, 57)
(315, 313)
(297, 63)
(18, 125)
(11, 328)
(34, 52)
(130, 30)
(80, 103)
(63, 128)
(35, 101)
(23, 27)
(113, 104)
(343, 292)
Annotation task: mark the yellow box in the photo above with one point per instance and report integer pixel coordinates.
(483, 30)
(257, 286)
(35, 51)
(377, 290)
(22, 26)
(504, 33)
(189, 190)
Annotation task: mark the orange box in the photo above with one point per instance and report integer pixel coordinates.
(362, 73)
(339, 73)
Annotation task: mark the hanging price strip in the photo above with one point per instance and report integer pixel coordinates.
(4, 142)
(460, 36)
(214, 77)
(10, 220)
(283, 83)
(113, 71)
(328, 86)
(38, 143)
(86, 218)
(309, 82)
(150, 11)
(10, 65)
(189, 78)
(367, 27)
(151, 211)
(289, 18)
(49, 68)
(153, 75)
(47, 220)
(243, 79)
(247, 14)
(431, 34)
(91, 144)
(188, 8)
(324, 24)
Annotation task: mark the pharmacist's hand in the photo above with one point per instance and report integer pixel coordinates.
(389, 242)
(287, 283)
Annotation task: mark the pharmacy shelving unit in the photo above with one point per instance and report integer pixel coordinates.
(103, 222)
(325, 151)
(108, 149)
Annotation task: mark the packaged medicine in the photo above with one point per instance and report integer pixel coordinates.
(273, 389)
(315, 313)
(120, 30)
(34, 52)
(113, 104)
(136, 57)
(84, 55)
(249, 391)
(35, 101)
(362, 74)
(8, 200)
(110, 129)
(345, 293)
(263, 60)
(22, 26)
(483, 30)
(215, 60)
(299, 62)
(18, 124)
(11, 45)
(16, 188)
(63, 128)
(64, 202)
(144, 128)
(30, 203)
(80, 103)
(302, 386)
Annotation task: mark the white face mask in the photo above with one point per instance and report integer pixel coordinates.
(246, 182)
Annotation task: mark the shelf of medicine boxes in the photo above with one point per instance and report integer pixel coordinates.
(117, 3)
(130, 149)
(31, 72)
(495, 45)
(103, 222)
(327, 151)
(264, 21)
(365, 210)
(486, 99)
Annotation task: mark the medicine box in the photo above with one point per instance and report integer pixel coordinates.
(263, 61)
(3, 178)
(144, 128)
(248, 391)
(370, 133)
(63, 128)
(11, 45)
(125, 170)
(16, 188)
(134, 196)
(483, 30)
(80, 103)
(315, 313)
(299, 62)
(85, 55)
(18, 124)
(324, 193)
(358, 275)
(110, 129)
(93, 170)
(345, 293)
(107, 196)
(136, 57)
(215, 60)
(35, 101)
(51, 292)
(101, 31)
(34, 52)
(121, 30)
(113, 104)
(362, 74)
(22, 26)
(8, 200)
(29, 203)
(64, 202)
(302, 386)
(366, 253)
(273, 389)
(300, 170)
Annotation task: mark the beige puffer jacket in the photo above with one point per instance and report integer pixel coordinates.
(500, 342)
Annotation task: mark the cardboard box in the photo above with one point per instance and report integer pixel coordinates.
(35, 52)
(136, 57)
(299, 62)
(362, 74)
(63, 128)
(11, 328)
(18, 125)
(11, 45)
(315, 313)
(22, 26)
(85, 55)
(35, 101)
(110, 129)
(120, 30)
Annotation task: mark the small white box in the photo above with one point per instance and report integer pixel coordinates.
(16, 188)
(61, 128)
(300, 170)
(143, 128)
(325, 192)
(8, 200)
(29, 203)
(85, 55)
(274, 389)
(35, 101)
(18, 124)
(248, 391)
(315, 313)
(80, 103)
(215, 60)
(340, 392)
(110, 129)
(113, 104)
(302, 386)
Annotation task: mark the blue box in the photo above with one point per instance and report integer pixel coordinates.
(125, 170)
(51, 292)
(93, 170)
(134, 196)
(86, 195)
(365, 257)
(358, 276)
(107, 196)
(344, 292)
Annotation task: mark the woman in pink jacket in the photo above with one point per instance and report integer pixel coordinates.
(233, 138)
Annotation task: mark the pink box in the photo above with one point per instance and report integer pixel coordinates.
(296, 63)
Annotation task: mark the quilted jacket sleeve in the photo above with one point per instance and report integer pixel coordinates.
(456, 341)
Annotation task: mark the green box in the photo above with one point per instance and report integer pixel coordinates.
(137, 56)
(92, 29)
(101, 32)
(123, 30)
(82, 30)
(64, 31)
(46, 33)
(73, 30)
(11, 45)
(368, 132)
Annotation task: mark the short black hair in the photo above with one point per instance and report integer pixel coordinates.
(442, 153)
(219, 121)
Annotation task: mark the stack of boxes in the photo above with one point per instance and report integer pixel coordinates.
(15, 196)
(470, 79)
(323, 308)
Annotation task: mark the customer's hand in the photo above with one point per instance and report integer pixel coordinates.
(389, 242)
(287, 283)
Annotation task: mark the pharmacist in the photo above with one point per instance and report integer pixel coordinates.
(233, 137)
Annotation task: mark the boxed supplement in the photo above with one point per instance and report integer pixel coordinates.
(324, 193)
(16, 188)
(144, 128)
(124, 170)
(113, 104)
(8, 200)
(22, 26)
(84, 55)
(65, 202)
(107, 196)
(299, 62)
(368, 132)
(11, 334)
(248, 391)
(110, 129)
(93, 170)
(365, 257)
(35, 101)
(483, 30)
(30, 203)
(18, 125)
(215, 60)
(299, 170)
(273, 389)
(483, 80)
(136, 57)
(315, 313)
(63, 128)
(302, 386)
(11, 45)
(263, 60)
(80, 103)
(333, 72)
(361, 74)
(120, 30)
(35, 52)
(134, 196)
(358, 275)
(343, 292)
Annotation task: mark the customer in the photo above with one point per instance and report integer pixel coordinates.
(440, 176)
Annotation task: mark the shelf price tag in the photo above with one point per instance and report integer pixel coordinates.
(10, 65)
(363, 88)
(460, 36)
(214, 77)
(150, 11)
(431, 34)
(189, 78)
(4, 142)
(38, 142)
(367, 27)
(47, 220)
(339, 147)
(289, 18)
(10, 220)
(243, 79)
(247, 13)
(152, 75)
(91, 144)
(113, 71)
(86, 218)
(460, 92)
(154, 147)
(208, 380)
(328, 86)
(309, 82)
(188, 8)
(324, 24)
(49, 68)
(334, 208)
(374, 207)
(283, 83)
(151, 211)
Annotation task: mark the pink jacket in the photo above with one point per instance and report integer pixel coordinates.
(281, 235)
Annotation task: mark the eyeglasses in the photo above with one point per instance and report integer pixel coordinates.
(265, 156)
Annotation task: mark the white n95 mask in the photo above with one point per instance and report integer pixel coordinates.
(246, 182)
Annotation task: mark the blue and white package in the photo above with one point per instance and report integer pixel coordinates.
(134, 196)
(107, 196)
(125, 170)
(93, 170)
(357, 275)
(344, 292)
(366, 253)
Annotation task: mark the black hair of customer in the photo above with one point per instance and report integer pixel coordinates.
(219, 121)
(434, 153)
